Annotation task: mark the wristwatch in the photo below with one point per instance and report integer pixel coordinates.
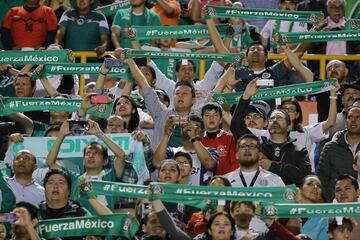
(195, 139)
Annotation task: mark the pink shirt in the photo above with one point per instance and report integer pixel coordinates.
(336, 47)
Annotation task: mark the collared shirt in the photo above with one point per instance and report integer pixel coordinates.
(32, 192)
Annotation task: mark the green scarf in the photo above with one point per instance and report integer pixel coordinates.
(278, 92)
(352, 24)
(297, 37)
(181, 31)
(184, 193)
(111, 9)
(34, 57)
(232, 57)
(107, 225)
(10, 105)
(84, 68)
(295, 16)
(282, 210)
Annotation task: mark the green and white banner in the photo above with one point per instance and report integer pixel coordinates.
(111, 9)
(352, 24)
(295, 16)
(107, 225)
(185, 193)
(283, 210)
(10, 105)
(278, 92)
(85, 68)
(300, 37)
(34, 57)
(181, 31)
(268, 194)
(233, 57)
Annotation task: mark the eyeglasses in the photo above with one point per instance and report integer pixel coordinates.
(249, 146)
(184, 164)
(253, 116)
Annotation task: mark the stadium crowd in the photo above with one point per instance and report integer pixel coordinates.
(131, 154)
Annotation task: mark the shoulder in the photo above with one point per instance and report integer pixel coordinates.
(275, 180)
(97, 15)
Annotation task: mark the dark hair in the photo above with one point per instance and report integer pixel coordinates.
(179, 63)
(67, 83)
(59, 172)
(224, 179)
(170, 161)
(32, 209)
(252, 136)
(135, 118)
(235, 203)
(297, 121)
(351, 178)
(211, 220)
(287, 117)
(186, 83)
(185, 155)
(302, 181)
(198, 119)
(211, 106)
(52, 127)
(333, 224)
(256, 43)
(104, 150)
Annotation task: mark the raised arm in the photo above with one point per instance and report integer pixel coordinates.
(331, 119)
(160, 151)
(215, 37)
(119, 161)
(293, 61)
(45, 82)
(99, 207)
(137, 74)
(54, 151)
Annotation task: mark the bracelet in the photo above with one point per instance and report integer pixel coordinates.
(195, 139)
(104, 74)
(333, 97)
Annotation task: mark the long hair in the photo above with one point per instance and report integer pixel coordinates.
(135, 118)
(211, 220)
(298, 122)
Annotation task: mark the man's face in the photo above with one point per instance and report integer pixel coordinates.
(255, 120)
(183, 98)
(186, 72)
(212, 120)
(19, 230)
(115, 124)
(57, 190)
(348, 97)
(242, 214)
(83, 5)
(277, 123)
(93, 158)
(24, 163)
(148, 75)
(336, 11)
(353, 121)
(287, 5)
(23, 87)
(256, 54)
(345, 191)
(248, 152)
(137, 3)
(336, 69)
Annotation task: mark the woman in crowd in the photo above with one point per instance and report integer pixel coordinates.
(126, 107)
(221, 226)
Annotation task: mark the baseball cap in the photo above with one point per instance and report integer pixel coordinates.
(260, 107)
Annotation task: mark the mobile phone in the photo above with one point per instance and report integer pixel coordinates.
(78, 126)
(113, 62)
(99, 99)
(180, 120)
(8, 217)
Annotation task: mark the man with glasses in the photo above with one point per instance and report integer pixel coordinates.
(283, 157)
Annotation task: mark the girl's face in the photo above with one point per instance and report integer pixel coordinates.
(169, 173)
(311, 190)
(124, 107)
(291, 110)
(221, 228)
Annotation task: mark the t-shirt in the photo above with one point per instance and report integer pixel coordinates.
(225, 144)
(124, 18)
(29, 29)
(5, 5)
(83, 32)
(165, 19)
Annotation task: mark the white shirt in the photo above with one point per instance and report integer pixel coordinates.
(336, 47)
